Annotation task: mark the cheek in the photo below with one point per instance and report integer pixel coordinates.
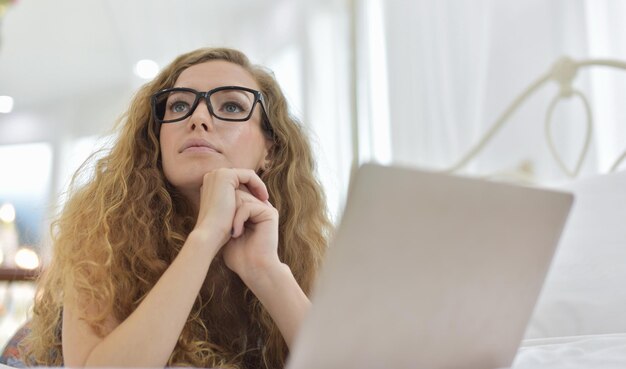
(246, 148)
(166, 144)
(167, 137)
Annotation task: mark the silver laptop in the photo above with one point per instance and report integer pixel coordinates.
(428, 270)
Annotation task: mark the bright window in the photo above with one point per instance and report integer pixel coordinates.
(25, 173)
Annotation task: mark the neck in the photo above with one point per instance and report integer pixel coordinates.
(193, 196)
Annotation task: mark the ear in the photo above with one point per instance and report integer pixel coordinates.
(267, 159)
(265, 165)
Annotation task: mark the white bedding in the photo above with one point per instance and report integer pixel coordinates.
(585, 291)
(604, 351)
(580, 319)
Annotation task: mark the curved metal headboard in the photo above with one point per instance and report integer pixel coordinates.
(563, 72)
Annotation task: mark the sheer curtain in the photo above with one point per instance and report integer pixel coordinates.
(606, 32)
(312, 65)
(453, 66)
(327, 95)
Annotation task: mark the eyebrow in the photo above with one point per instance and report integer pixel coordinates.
(218, 86)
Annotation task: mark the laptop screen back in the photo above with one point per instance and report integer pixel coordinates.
(430, 271)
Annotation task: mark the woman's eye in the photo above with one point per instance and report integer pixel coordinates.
(232, 108)
(179, 107)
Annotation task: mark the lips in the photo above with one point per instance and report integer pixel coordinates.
(197, 144)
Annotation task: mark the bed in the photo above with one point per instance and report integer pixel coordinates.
(580, 318)
(601, 351)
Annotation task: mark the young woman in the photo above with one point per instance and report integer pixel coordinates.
(199, 237)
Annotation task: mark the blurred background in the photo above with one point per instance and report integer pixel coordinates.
(408, 82)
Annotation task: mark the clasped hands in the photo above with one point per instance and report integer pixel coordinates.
(237, 217)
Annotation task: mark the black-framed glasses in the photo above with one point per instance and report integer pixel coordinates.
(227, 103)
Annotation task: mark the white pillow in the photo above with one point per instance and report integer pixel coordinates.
(585, 290)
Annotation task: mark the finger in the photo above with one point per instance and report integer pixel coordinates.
(242, 197)
(244, 188)
(245, 196)
(250, 212)
(253, 183)
(241, 216)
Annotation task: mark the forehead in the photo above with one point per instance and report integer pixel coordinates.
(215, 73)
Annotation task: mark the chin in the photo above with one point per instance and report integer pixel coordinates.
(192, 183)
(190, 177)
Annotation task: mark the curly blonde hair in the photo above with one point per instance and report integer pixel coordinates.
(120, 232)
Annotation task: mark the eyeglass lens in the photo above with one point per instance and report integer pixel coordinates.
(230, 104)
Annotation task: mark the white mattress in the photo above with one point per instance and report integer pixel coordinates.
(580, 319)
(606, 351)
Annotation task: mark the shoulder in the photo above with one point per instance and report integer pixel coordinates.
(11, 355)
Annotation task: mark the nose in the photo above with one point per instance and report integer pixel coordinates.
(201, 117)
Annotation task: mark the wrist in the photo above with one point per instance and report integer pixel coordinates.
(281, 296)
(266, 275)
(204, 240)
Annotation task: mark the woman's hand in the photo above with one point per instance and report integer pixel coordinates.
(253, 248)
(219, 200)
(235, 202)
(252, 253)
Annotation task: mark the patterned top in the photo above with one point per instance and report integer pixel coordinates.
(11, 354)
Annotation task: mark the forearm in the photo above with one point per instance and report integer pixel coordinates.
(283, 298)
(148, 336)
